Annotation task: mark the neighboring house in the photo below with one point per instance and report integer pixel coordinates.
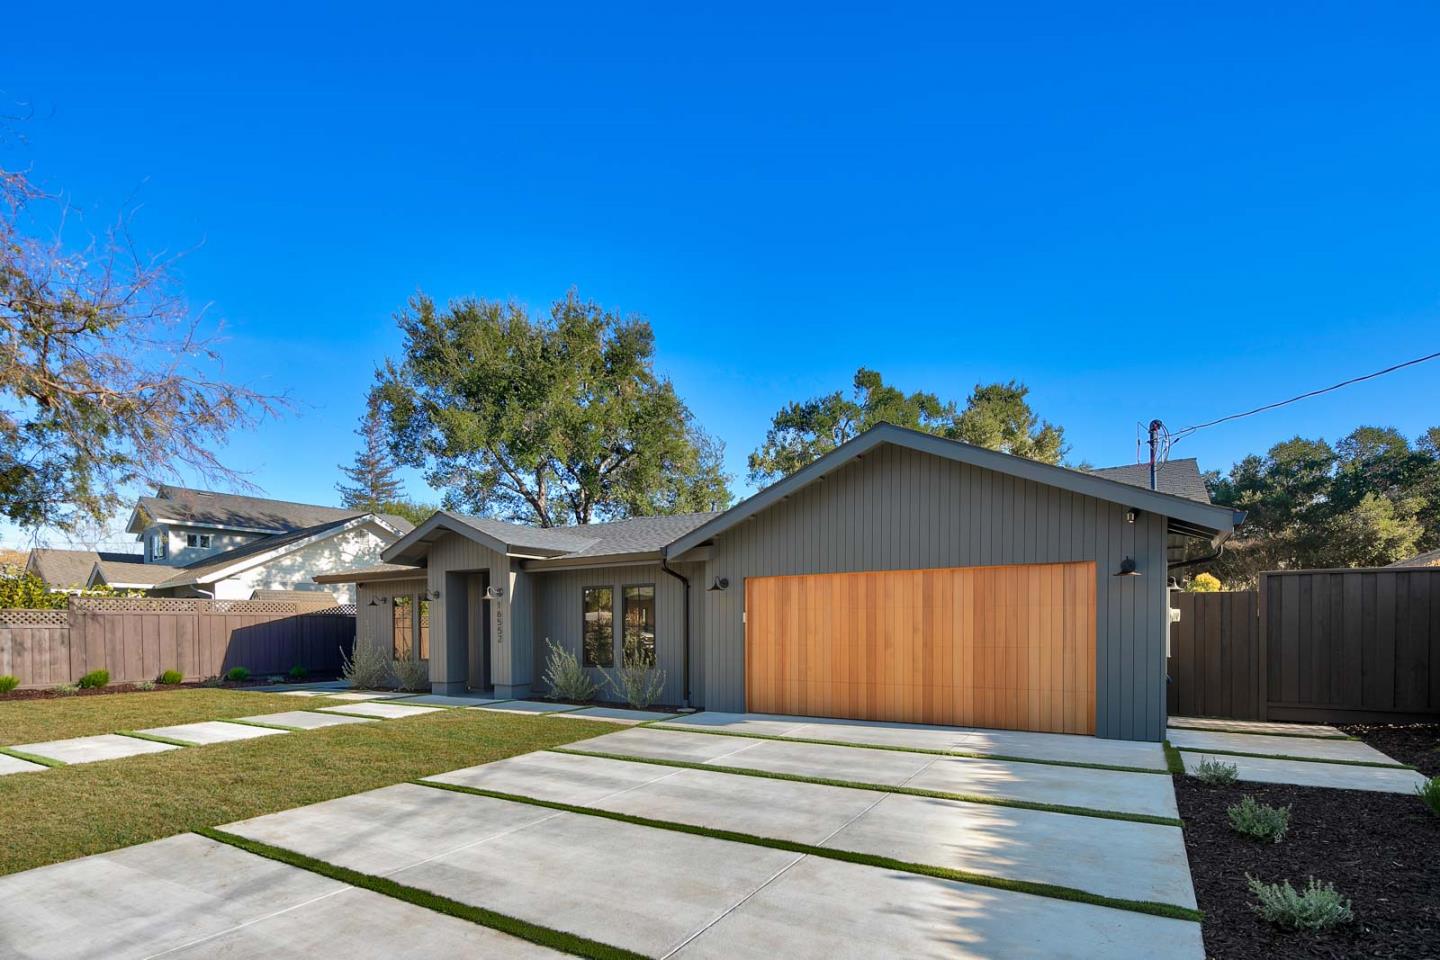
(68, 571)
(1430, 558)
(199, 543)
(900, 577)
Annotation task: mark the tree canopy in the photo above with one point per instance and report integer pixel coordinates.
(996, 415)
(373, 479)
(1369, 500)
(550, 419)
(107, 380)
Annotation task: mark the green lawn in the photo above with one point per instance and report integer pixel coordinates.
(77, 810)
(33, 721)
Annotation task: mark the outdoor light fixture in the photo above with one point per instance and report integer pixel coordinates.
(376, 601)
(1127, 568)
(493, 593)
(434, 594)
(1130, 515)
(721, 583)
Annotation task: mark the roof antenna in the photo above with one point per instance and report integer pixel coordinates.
(1155, 427)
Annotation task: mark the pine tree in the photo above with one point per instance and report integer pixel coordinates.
(373, 483)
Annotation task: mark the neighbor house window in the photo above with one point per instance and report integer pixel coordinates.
(404, 630)
(638, 616)
(599, 627)
(157, 546)
(197, 540)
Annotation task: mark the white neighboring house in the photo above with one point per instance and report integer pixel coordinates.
(199, 543)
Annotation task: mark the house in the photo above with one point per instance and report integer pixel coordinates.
(901, 577)
(200, 543)
(68, 571)
(1430, 558)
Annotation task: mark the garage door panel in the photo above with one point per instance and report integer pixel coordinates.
(1010, 647)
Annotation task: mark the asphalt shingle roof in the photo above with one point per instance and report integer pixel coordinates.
(207, 507)
(197, 571)
(1181, 478)
(134, 572)
(71, 568)
(1431, 558)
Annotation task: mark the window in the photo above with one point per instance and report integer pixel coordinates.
(599, 627)
(197, 540)
(424, 629)
(638, 616)
(157, 546)
(404, 629)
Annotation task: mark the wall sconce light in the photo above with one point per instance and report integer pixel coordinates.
(1131, 515)
(434, 594)
(377, 601)
(1127, 568)
(721, 583)
(493, 593)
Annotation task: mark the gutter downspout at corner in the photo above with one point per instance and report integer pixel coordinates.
(665, 565)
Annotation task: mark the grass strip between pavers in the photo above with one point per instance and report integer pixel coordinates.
(1282, 756)
(1051, 890)
(963, 754)
(514, 926)
(32, 757)
(1173, 759)
(266, 726)
(156, 738)
(884, 788)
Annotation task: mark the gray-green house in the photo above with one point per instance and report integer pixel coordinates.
(900, 577)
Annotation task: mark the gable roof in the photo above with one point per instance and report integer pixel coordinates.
(221, 565)
(130, 574)
(208, 508)
(1180, 478)
(637, 535)
(1430, 558)
(71, 568)
(1185, 516)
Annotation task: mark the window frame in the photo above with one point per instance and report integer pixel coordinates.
(584, 624)
(200, 540)
(159, 545)
(654, 657)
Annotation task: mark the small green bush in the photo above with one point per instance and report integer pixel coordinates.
(95, 679)
(369, 669)
(237, 674)
(1429, 792)
(410, 674)
(298, 672)
(1318, 907)
(9, 682)
(172, 677)
(65, 689)
(1215, 772)
(145, 685)
(1257, 820)
(565, 677)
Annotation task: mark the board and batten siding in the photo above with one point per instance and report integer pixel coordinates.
(559, 602)
(899, 509)
(451, 557)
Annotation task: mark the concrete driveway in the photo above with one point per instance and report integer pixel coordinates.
(691, 860)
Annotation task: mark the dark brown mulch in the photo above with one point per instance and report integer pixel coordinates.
(1417, 744)
(1381, 850)
(47, 693)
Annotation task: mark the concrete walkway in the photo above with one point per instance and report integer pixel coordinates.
(1306, 761)
(1256, 726)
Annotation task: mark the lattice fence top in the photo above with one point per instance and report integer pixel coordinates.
(11, 617)
(177, 605)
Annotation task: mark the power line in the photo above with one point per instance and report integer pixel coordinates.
(1179, 434)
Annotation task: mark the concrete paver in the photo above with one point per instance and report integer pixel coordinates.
(1308, 774)
(825, 910)
(212, 731)
(366, 695)
(1307, 747)
(1255, 726)
(556, 777)
(619, 715)
(106, 746)
(381, 711)
(1011, 743)
(9, 764)
(305, 719)
(528, 706)
(450, 700)
(1143, 793)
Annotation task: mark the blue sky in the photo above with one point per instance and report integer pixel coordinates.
(1141, 211)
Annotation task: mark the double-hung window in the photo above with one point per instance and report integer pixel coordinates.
(599, 627)
(201, 540)
(638, 615)
(158, 543)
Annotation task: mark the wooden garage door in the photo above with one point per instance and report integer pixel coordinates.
(1010, 647)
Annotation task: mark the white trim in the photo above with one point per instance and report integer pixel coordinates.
(265, 556)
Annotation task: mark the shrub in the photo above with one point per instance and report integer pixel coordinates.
(1257, 820)
(65, 689)
(369, 668)
(564, 675)
(1318, 907)
(237, 674)
(1216, 773)
(636, 681)
(1203, 583)
(9, 682)
(211, 682)
(411, 674)
(95, 679)
(1429, 791)
(171, 677)
(298, 672)
(145, 685)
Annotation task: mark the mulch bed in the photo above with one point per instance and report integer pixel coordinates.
(1380, 850)
(47, 693)
(1417, 744)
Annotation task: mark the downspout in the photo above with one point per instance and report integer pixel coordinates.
(1196, 561)
(685, 669)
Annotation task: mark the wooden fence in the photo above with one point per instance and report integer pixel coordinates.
(137, 639)
(1311, 645)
